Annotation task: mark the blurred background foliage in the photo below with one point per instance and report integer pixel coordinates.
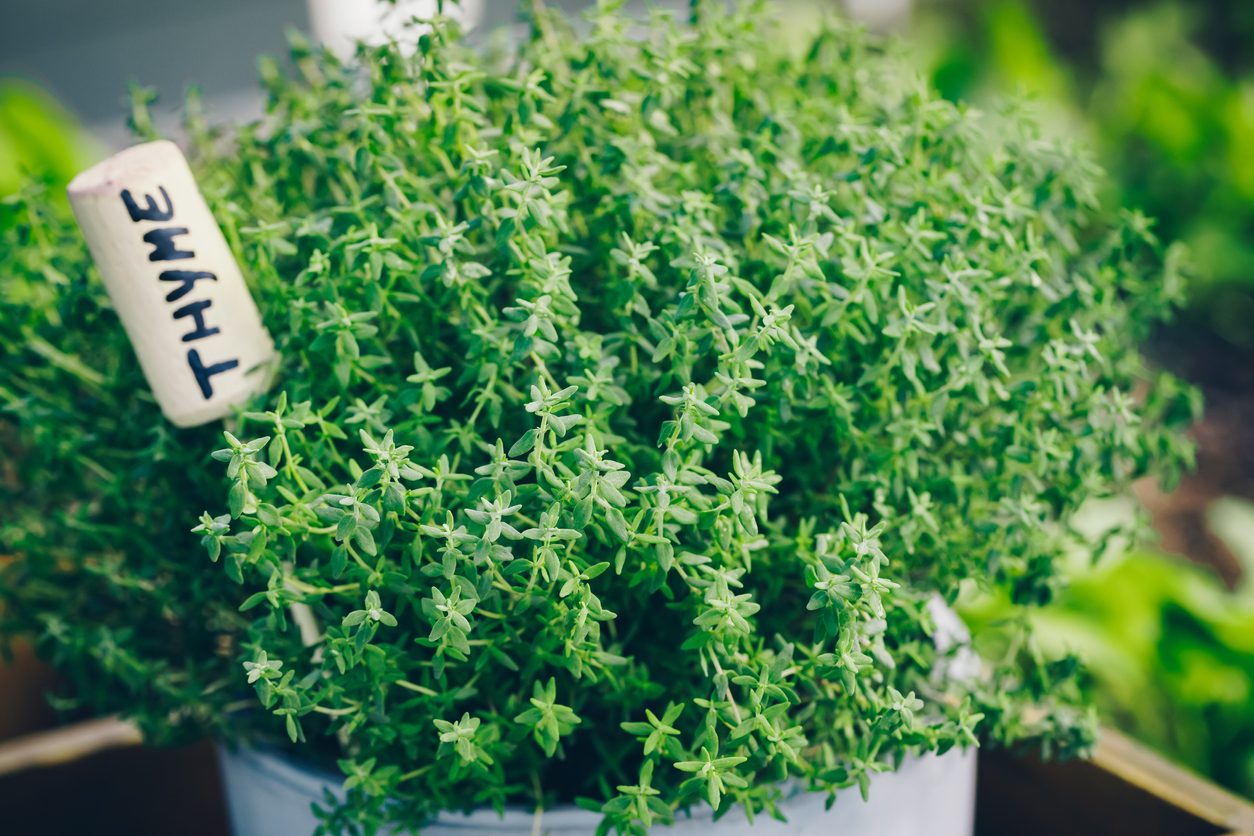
(39, 138)
(1164, 94)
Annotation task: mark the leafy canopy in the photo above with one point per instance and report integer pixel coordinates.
(638, 396)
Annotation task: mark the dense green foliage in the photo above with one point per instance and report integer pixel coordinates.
(636, 397)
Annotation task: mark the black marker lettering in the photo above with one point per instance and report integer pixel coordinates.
(152, 213)
(163, 240)
(187, 277)
(203, 372)
(196, 311)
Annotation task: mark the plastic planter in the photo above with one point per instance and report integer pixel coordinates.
(268, 794)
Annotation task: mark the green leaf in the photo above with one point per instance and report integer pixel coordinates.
(524, 444)
(236, 499)
(595, 570)
(257, 547)
(365, 540)
(252, 601)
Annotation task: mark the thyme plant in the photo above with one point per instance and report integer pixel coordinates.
(638, 394)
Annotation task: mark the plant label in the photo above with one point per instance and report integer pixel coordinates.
(174, 282)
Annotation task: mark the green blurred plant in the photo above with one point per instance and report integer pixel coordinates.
(39, 139)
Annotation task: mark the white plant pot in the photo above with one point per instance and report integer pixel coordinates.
(268, 794)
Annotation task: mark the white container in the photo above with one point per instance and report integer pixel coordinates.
(268, 794)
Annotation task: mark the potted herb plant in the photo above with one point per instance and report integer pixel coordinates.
(642, 400)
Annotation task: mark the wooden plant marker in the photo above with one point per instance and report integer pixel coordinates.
(174, 282)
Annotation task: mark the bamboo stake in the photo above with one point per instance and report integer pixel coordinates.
(66, 744)
(1142, 767)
